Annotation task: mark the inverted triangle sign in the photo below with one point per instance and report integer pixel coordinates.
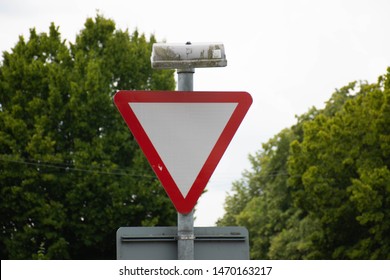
(183, 135)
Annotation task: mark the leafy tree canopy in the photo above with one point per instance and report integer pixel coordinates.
(321, 189)
(70, 172)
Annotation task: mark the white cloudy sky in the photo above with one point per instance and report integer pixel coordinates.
(289, 54)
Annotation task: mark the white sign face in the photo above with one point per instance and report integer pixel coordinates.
(183, 134)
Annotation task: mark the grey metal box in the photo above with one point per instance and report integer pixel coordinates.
(160, 243)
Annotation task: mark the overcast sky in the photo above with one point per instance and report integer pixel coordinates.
(289, 55)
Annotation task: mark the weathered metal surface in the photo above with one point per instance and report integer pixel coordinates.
(182, 56)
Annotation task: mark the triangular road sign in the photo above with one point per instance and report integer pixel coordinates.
(183, 135)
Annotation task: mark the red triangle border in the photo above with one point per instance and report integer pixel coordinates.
(183, 205)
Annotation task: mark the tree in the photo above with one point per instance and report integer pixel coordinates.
(340, 174)
(276, 227)
(320, 189)
(70, 171)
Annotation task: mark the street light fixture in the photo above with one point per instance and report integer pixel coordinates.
(185, 56)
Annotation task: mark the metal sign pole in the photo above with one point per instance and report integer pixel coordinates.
(185, 222)
(185, 58)
(185, 236)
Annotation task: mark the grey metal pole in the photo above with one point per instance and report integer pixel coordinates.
(185, 79)
(185, 222)
(185, 236)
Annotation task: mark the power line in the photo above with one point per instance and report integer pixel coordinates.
(67, 167)
(71, 168)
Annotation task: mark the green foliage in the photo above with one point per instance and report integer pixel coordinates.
(267, 206)
(70, 171)
(340, 174)
(323, 186)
